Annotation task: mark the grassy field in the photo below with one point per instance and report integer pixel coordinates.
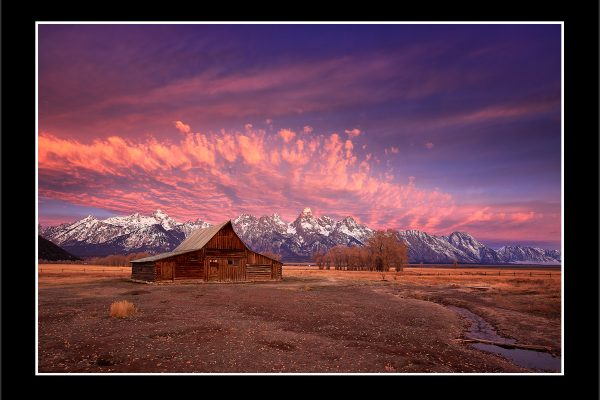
(312, 321)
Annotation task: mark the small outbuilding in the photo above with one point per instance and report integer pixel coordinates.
(212, 254)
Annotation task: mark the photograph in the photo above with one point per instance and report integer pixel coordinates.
(299, 198)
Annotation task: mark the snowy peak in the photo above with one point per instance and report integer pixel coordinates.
(466, 243)
(165, 221)
(159, 214)
(122, 234)
(523, 254)
(297, 240)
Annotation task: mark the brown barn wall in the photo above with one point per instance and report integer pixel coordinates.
(143, 271)
(225, 239)
(262, 268)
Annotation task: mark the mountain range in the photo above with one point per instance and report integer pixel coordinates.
(295, 241)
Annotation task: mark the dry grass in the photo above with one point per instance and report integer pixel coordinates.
(122, 309)
(61, 274)
(523, 303)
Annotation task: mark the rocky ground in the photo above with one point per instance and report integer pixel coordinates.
(309, 322)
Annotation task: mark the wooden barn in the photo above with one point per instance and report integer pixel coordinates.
(211, 254)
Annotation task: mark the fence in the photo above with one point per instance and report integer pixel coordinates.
(424, 272)
(484, 273)
(56, 270)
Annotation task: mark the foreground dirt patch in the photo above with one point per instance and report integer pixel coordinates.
(305, 323)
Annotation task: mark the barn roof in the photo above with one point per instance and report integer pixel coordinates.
(195, 241)
(199, 238)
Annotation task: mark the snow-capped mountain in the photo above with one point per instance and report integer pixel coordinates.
(519, 254)
(120, 235)
(300, 238)
(423, 247)
(296, 240)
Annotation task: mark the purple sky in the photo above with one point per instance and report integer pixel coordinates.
(432, 127)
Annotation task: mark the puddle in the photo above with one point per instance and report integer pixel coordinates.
(538, 361)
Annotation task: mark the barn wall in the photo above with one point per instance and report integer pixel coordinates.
(229, 272)
(277, 270)
(189, 265)
(261, 268)
(225, 239)
(143, 271)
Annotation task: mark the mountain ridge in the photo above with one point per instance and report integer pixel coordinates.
(295, 241)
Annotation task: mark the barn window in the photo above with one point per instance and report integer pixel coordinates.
(232, 262)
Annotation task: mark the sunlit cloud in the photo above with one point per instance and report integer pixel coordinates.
(183, 128)
(217, 176)
(287, 135)
(352, 132)
(391, 150)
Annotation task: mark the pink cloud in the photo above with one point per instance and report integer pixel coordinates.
(352, 133)
(429, 145)
(287, 135)
(183, 128)
(307, 129)
(217, 176)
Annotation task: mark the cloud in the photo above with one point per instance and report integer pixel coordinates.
(287, 135)
(391, 150)
(429, 145)
(307, 129)
(352, 133)
(183, 128)
(215, 176)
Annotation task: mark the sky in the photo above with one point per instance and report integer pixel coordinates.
(439, 128)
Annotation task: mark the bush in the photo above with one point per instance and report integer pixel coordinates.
(122, 309)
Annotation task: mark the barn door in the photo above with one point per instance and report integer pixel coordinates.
(213, 270)
(166, 271)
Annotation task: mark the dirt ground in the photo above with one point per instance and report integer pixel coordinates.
(312, 321)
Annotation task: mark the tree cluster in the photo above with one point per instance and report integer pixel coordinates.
(116, 260)
(382, 252)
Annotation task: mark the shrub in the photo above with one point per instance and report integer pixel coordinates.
(122, 309)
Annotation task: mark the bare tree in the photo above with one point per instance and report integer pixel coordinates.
(318, 257)
(384, 250)
(387, 251)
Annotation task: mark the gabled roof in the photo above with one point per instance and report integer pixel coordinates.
(197, 240)
(200, 237)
